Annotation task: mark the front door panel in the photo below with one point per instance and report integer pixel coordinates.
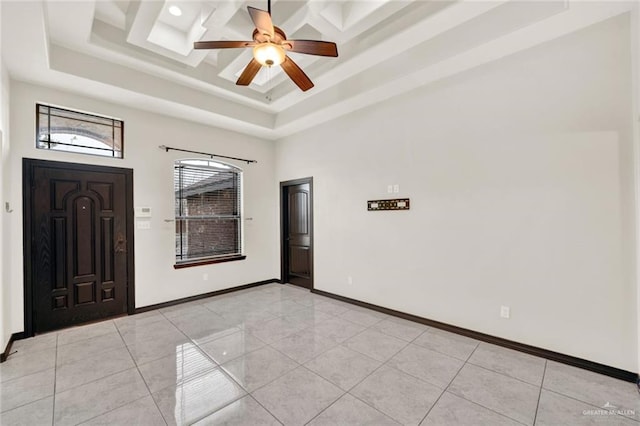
(79, 255)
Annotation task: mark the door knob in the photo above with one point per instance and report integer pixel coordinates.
(121, 244)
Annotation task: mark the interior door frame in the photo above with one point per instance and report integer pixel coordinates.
(28, 165)
(284, 218)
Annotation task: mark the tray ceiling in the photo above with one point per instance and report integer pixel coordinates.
(138, 53)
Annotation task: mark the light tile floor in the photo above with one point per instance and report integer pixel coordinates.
(277, 354)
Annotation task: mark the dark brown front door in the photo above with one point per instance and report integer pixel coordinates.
(297, 232)
(79, 242)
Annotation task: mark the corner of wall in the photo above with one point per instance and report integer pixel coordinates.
(5, 241)
(635, 84)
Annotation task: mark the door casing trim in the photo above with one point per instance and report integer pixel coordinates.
(28, 164)
(283, 217)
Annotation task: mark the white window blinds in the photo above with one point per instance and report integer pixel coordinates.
(207, 210)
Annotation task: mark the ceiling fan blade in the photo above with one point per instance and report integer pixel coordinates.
(314, 47)
(222, 44)
(262, 20)
(296, 74)
(249, 73)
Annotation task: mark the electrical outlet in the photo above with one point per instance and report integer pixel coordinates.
(390, 189)
(349, 280)
(396, 188)
(505, 312)
(205, 277)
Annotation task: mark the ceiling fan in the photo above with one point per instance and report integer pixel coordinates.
(270, 45)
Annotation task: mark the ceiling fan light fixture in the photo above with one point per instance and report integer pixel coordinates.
(270, 47)
(269, 54)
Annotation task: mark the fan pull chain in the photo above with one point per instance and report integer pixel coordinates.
(270, 79)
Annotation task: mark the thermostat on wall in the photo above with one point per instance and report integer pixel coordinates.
(143, 211)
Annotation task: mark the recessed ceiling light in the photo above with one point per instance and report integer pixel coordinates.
(175, 10)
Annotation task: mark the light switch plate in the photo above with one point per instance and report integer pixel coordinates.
(143, 224)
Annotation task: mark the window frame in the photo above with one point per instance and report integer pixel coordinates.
(221, 166)
(49, 142)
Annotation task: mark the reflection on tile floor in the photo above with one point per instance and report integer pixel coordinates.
(278, 354)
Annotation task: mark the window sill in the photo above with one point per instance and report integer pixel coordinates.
(208, 261)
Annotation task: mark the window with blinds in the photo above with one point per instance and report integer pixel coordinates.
(74, 131)
(208, 210)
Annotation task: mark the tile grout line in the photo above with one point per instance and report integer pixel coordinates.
(265, 408)
(32, 372)
(585, 402)
(17, 352)
(468, 400)
(109, 375)
(369, 328)
(141, 376)
(314, 373)
(300, 365)
(391, 335)
(224, 372)
(328, 406)
(447, 387)
(95, 380)
(26, 403)
(337, 345)
(440, 352)
(107, 412)
(270, 381)
(250, 394)
(347, 393)
(295, 360)
(135, 363)
(535, 416)
(490, 409)
(505, 375)
(430, 350)
(416, 377)
(382, 364)
(473, 402)
(484, 368)
(200, 374)
(204, 416)
(307, 329)
(8, 382)
(247, 393)
(55, 380)
(63, 331)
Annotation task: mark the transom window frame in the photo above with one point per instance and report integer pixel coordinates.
(210, 164)
(47, 143)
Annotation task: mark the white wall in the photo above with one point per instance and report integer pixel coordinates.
(156, 280)
(635, 117)
(5, 329)
(520, 175)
